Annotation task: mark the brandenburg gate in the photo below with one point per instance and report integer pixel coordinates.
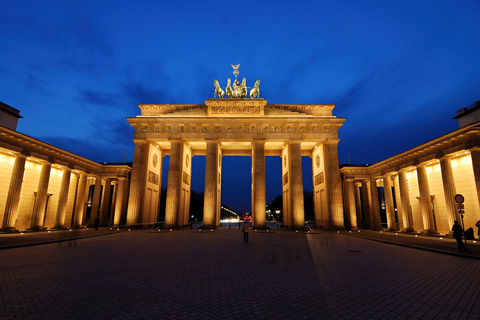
(234, 125)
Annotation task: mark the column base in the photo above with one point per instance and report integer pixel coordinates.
(59, 227)
(37, 229)
(9, 230)
(429, 233)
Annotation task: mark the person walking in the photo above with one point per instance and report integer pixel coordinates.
(245, 230)
(97, 222)
(457, 234)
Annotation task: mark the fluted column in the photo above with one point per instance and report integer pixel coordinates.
(13, 196)
(107, 190)
(41, 198)
(398, 200)
(296, 186)
(80, 201)
(377, 222)
(389, 206)
(138, 182)
(475, 154)
(367, 204)
(259, 191)
(334, 184)
(96, 199)
(62, 199)
(407, 208)
(425, 200)
(174, 187)
(119, 200)
(449, 190)
(210, 195)
(350, 199)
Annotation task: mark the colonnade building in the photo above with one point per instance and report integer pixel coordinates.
(417, 188)
(45, 187)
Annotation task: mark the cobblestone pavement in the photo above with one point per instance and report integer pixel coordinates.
(186, 274)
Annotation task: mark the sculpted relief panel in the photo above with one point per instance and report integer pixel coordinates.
(246, 128)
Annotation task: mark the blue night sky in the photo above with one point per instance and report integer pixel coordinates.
(397, 70)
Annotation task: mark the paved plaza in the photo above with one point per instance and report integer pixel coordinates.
(186, 274)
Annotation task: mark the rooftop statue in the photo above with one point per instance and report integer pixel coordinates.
(236, 90)
(255, 92)
(218, 91)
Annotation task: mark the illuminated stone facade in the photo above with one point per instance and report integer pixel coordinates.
(235, 127)
(44, 187)
(425, 180)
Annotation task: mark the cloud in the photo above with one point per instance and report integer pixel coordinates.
(100, 98)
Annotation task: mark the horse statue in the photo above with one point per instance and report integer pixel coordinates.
(244, 88)
(229, 89)
(240, 89)
(218, 91)
(255, 92)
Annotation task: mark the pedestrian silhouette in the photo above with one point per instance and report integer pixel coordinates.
(477, 224)
(457, 234)
(97, 223)
(245, 230)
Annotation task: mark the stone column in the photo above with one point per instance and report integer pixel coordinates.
(475, 154)
(139, 180)
(449, 190)
(407, 209)
(387, 186)
(107, 190)
(119, 201)
(333, 183)
(80, 201)
(398, 199)
(358, 204)
(350, 200)
(377, 223)
(62, 199)
(425, 200)
(96, 200)
(296, 186)
(367, 204)
(174, 187)
(258, 192)
(13, 196)
(41, 198)
(210, 195)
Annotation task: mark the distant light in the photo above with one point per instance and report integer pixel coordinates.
(349, 231)
(381, 231)
(170, 230)
(211, 229)
(416, 235)
(21, 232)
(358, 230)
(129, 229)
(441, 238)
(48, 231)
(396, 232)
(70, 230)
